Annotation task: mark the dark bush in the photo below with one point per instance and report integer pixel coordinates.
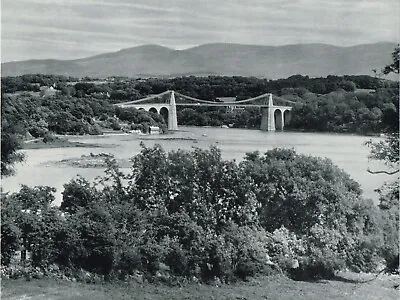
(130, 260)
(176, 259)
(10, 240)
(309, 269)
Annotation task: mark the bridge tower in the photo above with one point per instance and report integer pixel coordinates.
(172, 117)
(267, 118)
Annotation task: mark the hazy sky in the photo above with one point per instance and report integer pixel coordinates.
(65, 29)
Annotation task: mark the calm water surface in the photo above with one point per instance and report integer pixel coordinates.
(346, 151)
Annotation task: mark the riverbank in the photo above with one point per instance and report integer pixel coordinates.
(56, 142)
(63, 141)
(349, 286)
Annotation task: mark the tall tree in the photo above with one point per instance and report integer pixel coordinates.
(10, 144)
(388, 152)
(394, 66)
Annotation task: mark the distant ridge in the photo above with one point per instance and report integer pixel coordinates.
(273, 62)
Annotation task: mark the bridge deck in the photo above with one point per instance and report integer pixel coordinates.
(232, 104)
(190, 101)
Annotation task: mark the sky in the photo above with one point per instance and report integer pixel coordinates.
(68, 29)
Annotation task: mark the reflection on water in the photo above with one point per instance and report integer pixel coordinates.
(346, 151)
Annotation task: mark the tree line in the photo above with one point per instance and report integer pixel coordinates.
(331, 104)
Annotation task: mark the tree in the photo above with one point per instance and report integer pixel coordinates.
(30, 223)
(394, 66)
(77, 194)
(388, 152)
(10, 144)
(319, 203)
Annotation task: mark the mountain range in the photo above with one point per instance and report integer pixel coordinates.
(272, 62)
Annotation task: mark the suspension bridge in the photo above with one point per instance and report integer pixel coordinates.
(274, 117)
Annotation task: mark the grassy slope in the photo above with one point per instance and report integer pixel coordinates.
(274, 287)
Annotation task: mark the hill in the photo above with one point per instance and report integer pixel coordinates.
(272, 62)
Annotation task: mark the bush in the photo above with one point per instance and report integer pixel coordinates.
(176, 259)
(323, 255)
(130, 260)
(78, 193)
(48, 138)
(317, 268)
(115, 125)
(10, 240)
(286, 248)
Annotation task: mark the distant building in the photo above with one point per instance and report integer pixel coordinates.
(46, 91)
(154, 130)
(365, 91)
(226, 99)
(229, 99)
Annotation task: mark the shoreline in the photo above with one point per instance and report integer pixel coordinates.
(58, 142)
(63, 140)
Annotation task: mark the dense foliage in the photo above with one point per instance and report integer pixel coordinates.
(195, 215)
(334, 103)
(62, 114)
(207, 88)
(10, 144)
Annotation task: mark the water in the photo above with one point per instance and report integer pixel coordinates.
(346, 151)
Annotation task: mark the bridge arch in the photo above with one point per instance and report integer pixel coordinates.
(164, 112)
(278, 116)
(153, 110)
(287, 117)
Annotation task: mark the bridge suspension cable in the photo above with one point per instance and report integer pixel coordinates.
(233, 103)
(239, 101)
(244, 101)
(286, 100)
(194, 99)
(254, 98)
(147, 98)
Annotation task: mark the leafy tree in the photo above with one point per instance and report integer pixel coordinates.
(10, 144)
(78, 193)
(394, 66)
(388, 152)
(319, 203)
(30, 210)
(10, 231)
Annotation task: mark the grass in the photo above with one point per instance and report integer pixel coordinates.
(347, 286)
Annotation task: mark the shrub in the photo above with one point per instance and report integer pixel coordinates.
(78, 193)
(10, 240)
(323, 254)
(286, 248)
(115, 125)
(48, 138)
(129, 261)
(176, 259)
